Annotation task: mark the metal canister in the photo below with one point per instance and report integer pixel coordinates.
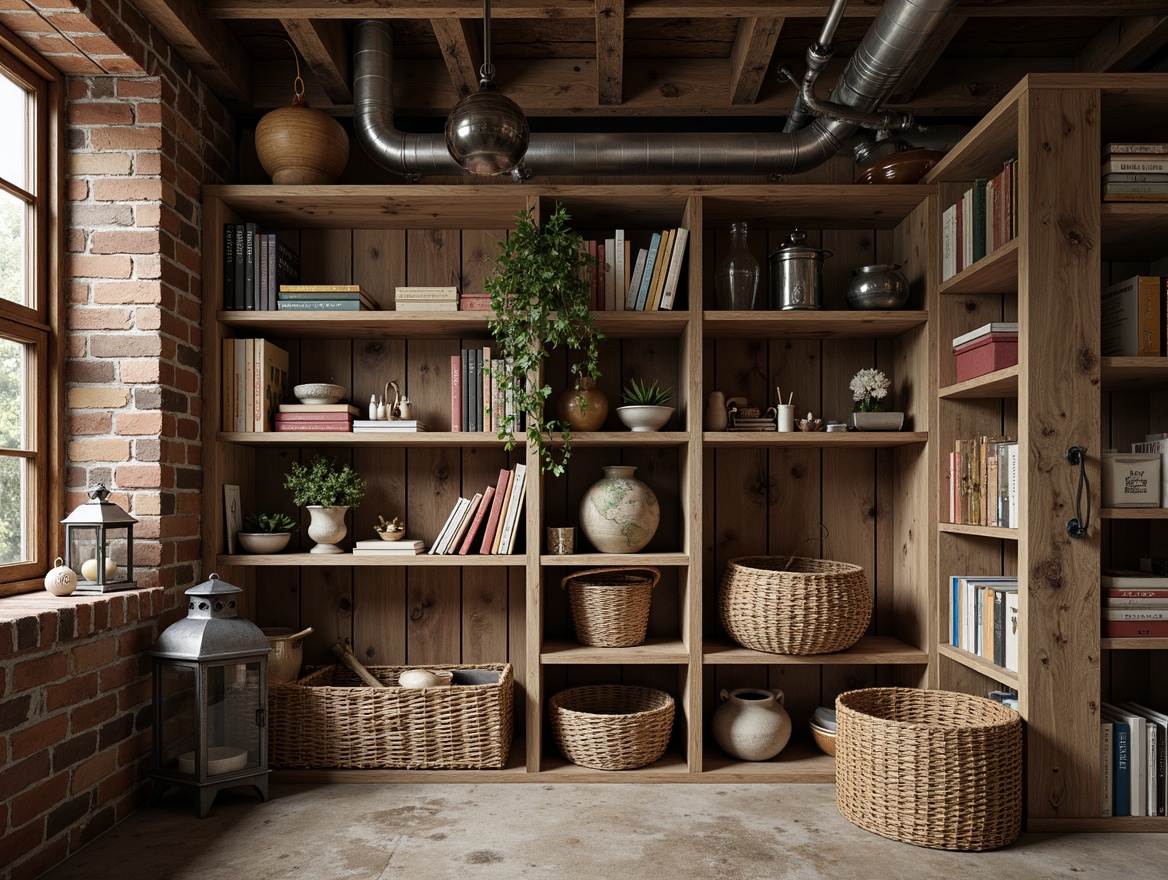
(797, 274)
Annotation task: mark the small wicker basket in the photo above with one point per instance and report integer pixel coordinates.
(610, 606)
(611, 727)
(794, 605)
(932, 768)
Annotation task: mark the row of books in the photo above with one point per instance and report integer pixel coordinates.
(982, 220)
(255, 264)
(983, 482)
(1135, 604)
(983, 618)
(491, 519)
(254, 383)
(1135, 317)
(1133, 741)
(654, 277)
(1135, 172)
(324, 298)
(315, 417)
(477, 403)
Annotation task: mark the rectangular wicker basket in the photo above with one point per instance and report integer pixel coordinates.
(330, 719)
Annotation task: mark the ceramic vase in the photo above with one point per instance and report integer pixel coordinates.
(326, 526)
(584, 407)
(751, 724)
(300, 145)
(716, 418)
(619, 514)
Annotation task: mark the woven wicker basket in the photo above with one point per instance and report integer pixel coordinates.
(330, 719)
(933, 768)
(793, 605)
(610, 606)
(611, 727)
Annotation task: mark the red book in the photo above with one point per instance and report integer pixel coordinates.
(496, 506)
(312, 417)
(1137, 593)
(314, 426)
(456, 392)
(476, 523)
(1126, 629)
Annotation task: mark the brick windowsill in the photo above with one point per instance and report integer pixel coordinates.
(39, 620)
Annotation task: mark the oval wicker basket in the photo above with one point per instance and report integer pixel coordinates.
(932, 768)
(611, 727)
(610, 607)
(794, 605)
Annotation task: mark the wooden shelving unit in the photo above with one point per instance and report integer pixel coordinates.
(978, 531)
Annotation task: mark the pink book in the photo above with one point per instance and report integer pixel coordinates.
(496, 507)
(314, 426)
(480, 515)
(456, 392)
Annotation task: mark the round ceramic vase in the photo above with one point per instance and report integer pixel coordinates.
(751, 724)
(619, 514)
(300, 145)
(584, 407)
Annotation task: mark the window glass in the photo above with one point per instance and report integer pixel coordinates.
(13, 393)
(13, 505)
(13, 249)
(14, 104)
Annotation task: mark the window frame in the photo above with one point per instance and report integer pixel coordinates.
(39, 325)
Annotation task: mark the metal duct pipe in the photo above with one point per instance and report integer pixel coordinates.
(896, 37)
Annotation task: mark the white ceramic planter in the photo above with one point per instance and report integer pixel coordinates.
(264, 542)
(877, 421)
(644, 418)
(751, 724)
(327, 527)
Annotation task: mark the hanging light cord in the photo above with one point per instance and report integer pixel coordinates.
(298, 83)
(487, 71)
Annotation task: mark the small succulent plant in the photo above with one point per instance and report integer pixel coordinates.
(269, 522)
(637, 393)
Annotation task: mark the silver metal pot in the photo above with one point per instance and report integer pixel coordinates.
(880, 286)
(797, 274)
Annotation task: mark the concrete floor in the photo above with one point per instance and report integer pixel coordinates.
(663, 832)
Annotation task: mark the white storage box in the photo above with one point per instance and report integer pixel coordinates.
(1131, 479)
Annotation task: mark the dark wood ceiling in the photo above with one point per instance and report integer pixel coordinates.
(637, 58)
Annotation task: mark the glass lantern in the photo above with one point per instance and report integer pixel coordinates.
(99, 544)
(211, 698)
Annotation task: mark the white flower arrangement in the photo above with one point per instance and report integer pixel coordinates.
(869, 388)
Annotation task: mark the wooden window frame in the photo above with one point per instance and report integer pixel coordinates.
(40, 324)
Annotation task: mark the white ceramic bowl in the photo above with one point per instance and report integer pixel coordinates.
(264, 542)
(220, 759)
(319, 392)
(644, 418)
(425, 678)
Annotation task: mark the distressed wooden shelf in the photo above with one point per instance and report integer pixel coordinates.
(979, 664)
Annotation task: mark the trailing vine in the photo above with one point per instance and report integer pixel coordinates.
(541, 298)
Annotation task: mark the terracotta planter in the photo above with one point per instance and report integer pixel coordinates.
(299, 145)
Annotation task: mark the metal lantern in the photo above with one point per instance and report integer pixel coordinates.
(211, 698)
(99, 544)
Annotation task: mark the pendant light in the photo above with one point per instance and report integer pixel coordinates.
(487, 133)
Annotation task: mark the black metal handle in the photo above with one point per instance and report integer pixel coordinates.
(1078, 525)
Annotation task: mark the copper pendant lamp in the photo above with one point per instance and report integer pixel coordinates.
(487, 133)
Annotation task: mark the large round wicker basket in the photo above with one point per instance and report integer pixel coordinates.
(794, 605)
(610, 606)
(932, 768)
(611, 727)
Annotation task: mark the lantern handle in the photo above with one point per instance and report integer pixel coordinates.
(213, 577)
(99, 492)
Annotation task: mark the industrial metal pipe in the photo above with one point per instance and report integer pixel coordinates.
(898, 34)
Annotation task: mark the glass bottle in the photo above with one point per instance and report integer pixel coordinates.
(736, 280)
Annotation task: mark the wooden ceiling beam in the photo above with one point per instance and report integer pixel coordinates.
(1124, 44)
(908, 84)
(209, 48)
(324, 46)
(610, 51)
(754, 46)
(461, 52)
(649, 9)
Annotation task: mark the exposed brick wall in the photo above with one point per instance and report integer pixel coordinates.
(142, 135)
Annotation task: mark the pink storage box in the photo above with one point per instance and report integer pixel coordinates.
(994, 351)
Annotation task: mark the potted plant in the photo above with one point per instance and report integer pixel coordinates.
(646, 406)
(328, 490)
(869, 389)
(266, 532)
(541, 299)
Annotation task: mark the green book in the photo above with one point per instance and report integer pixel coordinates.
(318, 305)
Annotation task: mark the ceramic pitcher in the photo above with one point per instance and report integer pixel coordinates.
(751, 724)
(716, 416)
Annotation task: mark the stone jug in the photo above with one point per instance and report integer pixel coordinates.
(751, 724)
(717, 419)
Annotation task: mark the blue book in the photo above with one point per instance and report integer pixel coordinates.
(1121, 737)
(647, 275)
(955, 611)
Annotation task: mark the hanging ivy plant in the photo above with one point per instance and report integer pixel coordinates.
(541, 297)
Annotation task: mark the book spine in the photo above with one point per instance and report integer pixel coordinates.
(647, 275)
(262, 272)
(485, 369)
(1135, 629)
(229, 266)
(978, 220)
(999, 628)
(248, 384)
(318, 296)
(273, 280)
(227, 383)
(1139, 148)
(240, 249)
(1013, 625)
(318, 305)
(249, 267)
(635, 280)
(619, 270)
(1121, 806)
(237, 397)
(314, 426)
(1106, 768)
(464, 369)
(455, 393)
(673, 278)
(1142, 165)
(479, 518)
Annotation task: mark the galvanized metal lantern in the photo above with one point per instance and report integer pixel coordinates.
(99, 544)
(211, 698)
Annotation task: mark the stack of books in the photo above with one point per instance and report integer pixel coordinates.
(315, 417)
(404, 547)
(982, 220)
(982, 480)
(426, 299)
(398, 426)
(255, 264)
(656, 272)
(987, 349)
(1133, 317)
(324, 298)
(1135, 604)
(477, 403)
(474, 302)
(489, 520)
(1135, 172)
(983, 618)
(253, 384)
(1133, 740)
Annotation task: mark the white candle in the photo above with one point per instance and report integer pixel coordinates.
(89, 569)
